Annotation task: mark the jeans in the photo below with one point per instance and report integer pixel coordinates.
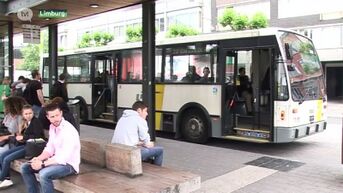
(36, 109)
(46, 176)
(153, 152)
(7, 157)
(3, 149)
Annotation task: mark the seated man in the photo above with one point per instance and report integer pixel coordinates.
(132, 129)
(61, 156)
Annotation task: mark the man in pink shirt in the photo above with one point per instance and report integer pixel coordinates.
(60, 158)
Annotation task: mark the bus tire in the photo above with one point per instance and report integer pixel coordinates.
(83, 109)
(194, 126)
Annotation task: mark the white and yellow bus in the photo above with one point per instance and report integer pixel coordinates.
(287, 85)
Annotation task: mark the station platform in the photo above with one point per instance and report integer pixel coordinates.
(309, 165)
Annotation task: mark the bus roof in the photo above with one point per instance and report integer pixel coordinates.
(181, 40)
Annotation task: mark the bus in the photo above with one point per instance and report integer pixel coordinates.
(288, 94)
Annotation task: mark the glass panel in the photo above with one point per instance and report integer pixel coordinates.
(158, 65)
(60, 65)
(78, 67)
(192, 64)
(281, 83)
(131, 66)
(46, 64)
(304, 68)
(4, 68)
(229, 69)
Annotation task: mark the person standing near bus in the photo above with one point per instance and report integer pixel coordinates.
(59, 89)
(132, 129)
(245, 90)
(33, 93)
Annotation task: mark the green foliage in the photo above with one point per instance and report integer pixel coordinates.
(305, 48)
(95, 39)
(31, 57)
(134, 34)
(44, 42)
(178, 30)
(240, 22)
(228, 17)
(259, 20)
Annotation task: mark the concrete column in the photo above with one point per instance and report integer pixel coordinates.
(10, 50)
(149, 62)
(52, 55)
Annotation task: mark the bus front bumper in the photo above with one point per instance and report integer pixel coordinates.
(287, 134)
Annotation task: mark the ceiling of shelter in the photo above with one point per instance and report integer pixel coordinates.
(76, 9)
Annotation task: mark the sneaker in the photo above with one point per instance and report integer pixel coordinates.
(5, 184)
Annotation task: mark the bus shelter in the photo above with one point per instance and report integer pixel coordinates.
(16, 14)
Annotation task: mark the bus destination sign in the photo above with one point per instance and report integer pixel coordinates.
(52, 13)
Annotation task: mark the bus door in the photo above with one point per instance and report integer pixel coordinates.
(247, 93)
(103, 85)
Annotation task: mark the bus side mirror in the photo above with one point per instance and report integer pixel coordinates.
(290, 67)
(288, 51)
(289, 56)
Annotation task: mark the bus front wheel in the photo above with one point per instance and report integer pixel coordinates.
(195, 126)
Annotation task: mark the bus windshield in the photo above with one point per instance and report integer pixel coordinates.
(304, 68)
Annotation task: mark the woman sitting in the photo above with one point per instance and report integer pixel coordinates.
(31, 129)
(12, 119)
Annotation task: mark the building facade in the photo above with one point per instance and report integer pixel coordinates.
(321, 20)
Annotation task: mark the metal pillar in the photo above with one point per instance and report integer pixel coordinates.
(52, 55)
(10, 50)
(149, 63)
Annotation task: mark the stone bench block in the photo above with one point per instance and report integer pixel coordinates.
(93, 152)
(124, 159)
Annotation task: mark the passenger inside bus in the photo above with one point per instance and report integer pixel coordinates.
(191, 75)
(244, 90)
(206, 78)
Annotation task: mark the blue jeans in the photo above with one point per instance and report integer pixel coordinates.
(155, 153)
(7, 157)
(36, 109)
(46, 175)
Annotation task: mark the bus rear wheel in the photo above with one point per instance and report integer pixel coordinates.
(195, 126)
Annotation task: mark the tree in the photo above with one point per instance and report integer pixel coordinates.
(134, 33)
(178, 30)
(240, 22)
(259, 20)
(228, 17)
(44, 42)
(95, 39)
(31, 55)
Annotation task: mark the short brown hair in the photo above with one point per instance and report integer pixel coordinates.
(139, 105)
(51, 107)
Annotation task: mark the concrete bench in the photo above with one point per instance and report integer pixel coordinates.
(108, 168)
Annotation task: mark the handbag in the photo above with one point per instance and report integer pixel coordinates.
(34, 147)
(4, 131)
